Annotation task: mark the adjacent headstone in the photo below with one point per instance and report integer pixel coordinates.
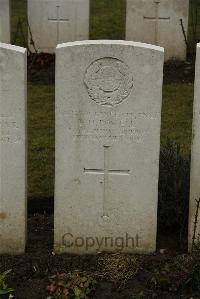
(159, 22)
(194, 214)
(108, 110)
(12, 149)
(5, 21)
(57, 21)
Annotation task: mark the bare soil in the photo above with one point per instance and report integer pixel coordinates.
(30, 273)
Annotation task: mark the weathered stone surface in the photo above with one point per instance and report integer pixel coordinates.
(108, 108)
(158, 22)
(195, 160)
(53, 22)
(12, 149)
(5, 21)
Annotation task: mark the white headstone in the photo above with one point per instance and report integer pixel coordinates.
(57, 21)
(158, 22)
(194, 230)
(5, 21)
(108, 108)
(12, 149)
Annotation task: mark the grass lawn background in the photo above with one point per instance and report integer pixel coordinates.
(107, 21)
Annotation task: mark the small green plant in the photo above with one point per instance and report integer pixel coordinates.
(71, 286)
(161, 277)
(173, 190)
(4, 288)
(187, 268)
(196, 236)
(138, 296)
(189, 265)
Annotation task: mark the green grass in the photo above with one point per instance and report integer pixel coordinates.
(177, 115)
(107, 19)
(19, 13)
(40, 141)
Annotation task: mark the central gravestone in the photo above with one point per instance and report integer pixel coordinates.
(108, 108)
(57, 21)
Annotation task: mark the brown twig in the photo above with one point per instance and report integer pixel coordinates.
(184, 34)
(31, 38)
(195, 223)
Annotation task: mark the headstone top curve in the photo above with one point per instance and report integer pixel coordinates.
(13, 48)
(110, 42)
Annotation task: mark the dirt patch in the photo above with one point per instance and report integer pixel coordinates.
(41, 68)
(176, 71)
(118, 275)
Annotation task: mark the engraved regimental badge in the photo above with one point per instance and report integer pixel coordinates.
(109, 81)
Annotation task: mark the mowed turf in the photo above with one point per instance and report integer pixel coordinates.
(177, 113)
(19, 16)
(107, 21)
(40, 141)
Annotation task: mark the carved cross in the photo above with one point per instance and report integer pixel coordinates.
(58, 20)
(156, 19)
(106, 172)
